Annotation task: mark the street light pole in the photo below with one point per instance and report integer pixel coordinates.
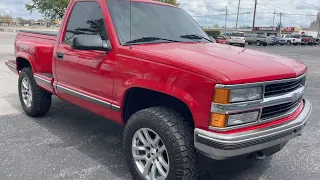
(238, 14)
(225, 22)
(254, 15)
(319, 28)
(280, 23)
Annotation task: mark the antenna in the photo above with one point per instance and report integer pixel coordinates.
(130, 22)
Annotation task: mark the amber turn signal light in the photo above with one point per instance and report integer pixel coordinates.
(221, 96)
(218, 120)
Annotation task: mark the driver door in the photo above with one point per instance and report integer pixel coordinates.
(86, 74)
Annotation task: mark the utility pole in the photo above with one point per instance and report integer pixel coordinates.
(274, 16)
(205, 21)
(319, 28)
(238, 14)
(254, 15)
(280, 23)
(225, 22)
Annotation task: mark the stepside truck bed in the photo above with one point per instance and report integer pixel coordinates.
(47, 33)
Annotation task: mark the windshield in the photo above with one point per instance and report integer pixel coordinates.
(238, 34)
(153, 20)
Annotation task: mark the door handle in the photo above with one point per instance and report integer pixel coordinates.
(60, 55)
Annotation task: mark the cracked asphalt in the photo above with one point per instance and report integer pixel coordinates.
(71, 143)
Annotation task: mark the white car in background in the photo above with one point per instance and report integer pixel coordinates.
(291, 39)
(238, 38)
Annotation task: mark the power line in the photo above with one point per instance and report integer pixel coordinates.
(310, 4)
(221, 14)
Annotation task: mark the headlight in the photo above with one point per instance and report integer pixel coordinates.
(225, 96)
(247, 94)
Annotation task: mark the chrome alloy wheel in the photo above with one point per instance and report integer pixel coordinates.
(26, 92)
(150, 154)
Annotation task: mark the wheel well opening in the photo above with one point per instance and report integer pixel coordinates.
(22, 63)
(140, 98)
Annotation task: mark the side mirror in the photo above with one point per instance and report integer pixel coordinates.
(89, 42)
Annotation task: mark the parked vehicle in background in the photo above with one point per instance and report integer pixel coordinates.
(312, 41)
(177, 93)
(238, 38)
(259, 39)
(222, 40)
(305, 40)
(280, 41)
(289, 39)
(317, 41)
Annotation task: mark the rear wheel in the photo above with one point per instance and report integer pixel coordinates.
(34, 101)
(288, 42)
(158, 144)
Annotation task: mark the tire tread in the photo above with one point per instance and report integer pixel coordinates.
(41, 101)
(181, 137)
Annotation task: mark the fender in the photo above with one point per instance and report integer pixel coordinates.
(27, 57)
(39, 55)
(181, 84)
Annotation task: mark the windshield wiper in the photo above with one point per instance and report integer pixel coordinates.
(149, 39)
(194, 36)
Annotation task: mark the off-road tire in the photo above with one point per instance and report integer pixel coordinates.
(175, 132)
(41, 100)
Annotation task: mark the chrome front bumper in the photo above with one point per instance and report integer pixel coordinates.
(223, 146)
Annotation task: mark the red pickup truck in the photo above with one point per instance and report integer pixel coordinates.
(150, 67)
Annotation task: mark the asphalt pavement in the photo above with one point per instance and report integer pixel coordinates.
(71, 143)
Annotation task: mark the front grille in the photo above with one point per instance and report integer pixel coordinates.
(281, 88)
(278, 110)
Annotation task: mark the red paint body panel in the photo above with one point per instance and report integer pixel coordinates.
(43, 85)
(38, 49)
(187, 71)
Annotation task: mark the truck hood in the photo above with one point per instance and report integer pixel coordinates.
(239, 65)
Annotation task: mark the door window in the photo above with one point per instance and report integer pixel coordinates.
(86, 19)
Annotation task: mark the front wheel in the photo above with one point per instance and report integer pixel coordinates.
(258, 43)
(34, 101)
(158, 144)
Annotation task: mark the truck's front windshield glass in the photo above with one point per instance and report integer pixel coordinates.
(153, 23)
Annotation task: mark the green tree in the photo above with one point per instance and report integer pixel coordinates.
(173, 2)
(53, 9)
(216, 26)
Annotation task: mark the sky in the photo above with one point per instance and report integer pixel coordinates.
(211, 12)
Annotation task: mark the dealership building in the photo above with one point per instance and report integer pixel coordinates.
(275, 30)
